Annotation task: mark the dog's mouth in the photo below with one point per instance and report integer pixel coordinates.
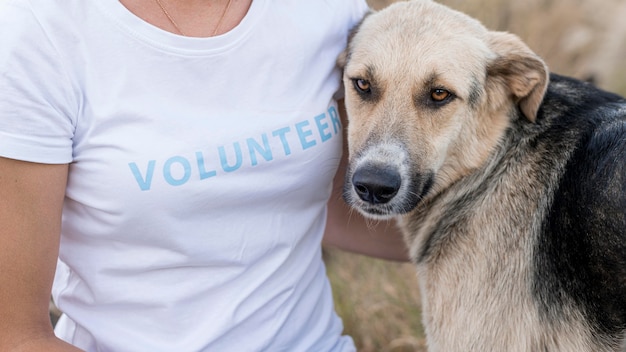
(383, 191)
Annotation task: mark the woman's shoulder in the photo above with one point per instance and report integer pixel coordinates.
(40, 10)
(34, 19)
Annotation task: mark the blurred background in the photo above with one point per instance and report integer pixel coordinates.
(379, 301)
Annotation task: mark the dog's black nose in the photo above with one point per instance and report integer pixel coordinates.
(375, 184)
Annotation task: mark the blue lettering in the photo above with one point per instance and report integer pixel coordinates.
(322, 127)
(224, 158)
(167, 170)
(254, 148)
(203, 173)
(281, 134)
(178, 170)
(334, 117)
(144, 183)
(303, 134)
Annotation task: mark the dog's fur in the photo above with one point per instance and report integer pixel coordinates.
(510, 191)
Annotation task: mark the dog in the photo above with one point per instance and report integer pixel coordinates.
(507, 181)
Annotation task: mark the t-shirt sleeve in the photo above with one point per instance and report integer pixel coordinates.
(357, 10)
(360, 9)
(37, 106)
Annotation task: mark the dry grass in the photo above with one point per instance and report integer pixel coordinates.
(379, 301)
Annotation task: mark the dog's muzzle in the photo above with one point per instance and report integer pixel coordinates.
(381, 183)
(376, 184)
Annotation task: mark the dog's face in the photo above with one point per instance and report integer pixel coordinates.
(429, 93)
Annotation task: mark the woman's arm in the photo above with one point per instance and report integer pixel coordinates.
(349, 230)
(31, 200)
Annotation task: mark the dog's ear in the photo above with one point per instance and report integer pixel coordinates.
(520, 69)
(342, 59)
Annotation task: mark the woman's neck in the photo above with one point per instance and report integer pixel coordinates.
(192, 18)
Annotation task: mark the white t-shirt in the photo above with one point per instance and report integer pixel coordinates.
(200, 169)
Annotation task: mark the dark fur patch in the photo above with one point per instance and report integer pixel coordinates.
(476, 92)
(581, 255)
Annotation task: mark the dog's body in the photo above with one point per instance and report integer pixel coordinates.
(528, 253)
(511, 191)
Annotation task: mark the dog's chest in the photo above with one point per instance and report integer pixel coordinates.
(475, 274)
(474, 258)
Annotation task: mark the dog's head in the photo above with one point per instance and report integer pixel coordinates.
(429, 94)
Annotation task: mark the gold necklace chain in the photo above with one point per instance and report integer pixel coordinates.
(219, 22)
(167, 14)
(169, 17)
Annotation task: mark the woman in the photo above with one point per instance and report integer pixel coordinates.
(178, 157)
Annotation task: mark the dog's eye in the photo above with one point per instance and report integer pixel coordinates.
(439, 95)
(362, 86)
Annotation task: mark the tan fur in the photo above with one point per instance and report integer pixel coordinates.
(400, 56)
(410, 70)
(508, 320)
